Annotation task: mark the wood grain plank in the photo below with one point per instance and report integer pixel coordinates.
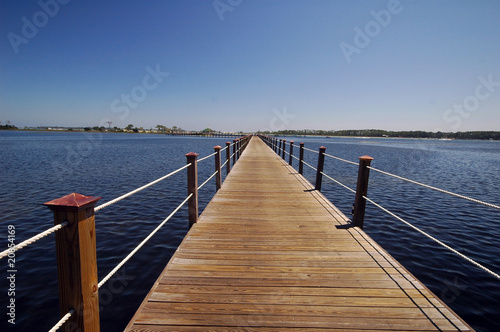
(267, 254)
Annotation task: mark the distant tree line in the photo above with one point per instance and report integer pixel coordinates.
(484, 135)
(7, 126)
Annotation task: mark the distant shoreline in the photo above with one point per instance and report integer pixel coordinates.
(367, 134)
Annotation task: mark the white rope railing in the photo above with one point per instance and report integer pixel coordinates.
(311, 150)
(37, 237)
(227, 160)
(314, 168)
(344, 160)
(63, 320)
(436, 189)
(434, 239)
(242, 146)
(206, 181)
(110, 274)
(200, 160)
(339, 183)
(102, 206)
(33, 239)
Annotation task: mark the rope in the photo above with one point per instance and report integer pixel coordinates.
(434, 239)
(33, 239)
(346, 161)
(241, 147)
(311, 150)
(437, 189)
(402, 274)
(314, 168)
(206, 181)
(139, 189)
(296, 157)
(110, 274)
(227, 160)
(200, 160)
(339, 183)
(63, 320)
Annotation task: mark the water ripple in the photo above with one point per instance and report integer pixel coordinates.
(119, 163)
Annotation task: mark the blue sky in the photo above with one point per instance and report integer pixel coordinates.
(252, 64)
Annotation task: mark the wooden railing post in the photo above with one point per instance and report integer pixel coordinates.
(76, 261)
(279, 149)
(361, 190)
(275, 144)
(243, 144)
(228, 157)
(283, 150)
(291, 153)
(192, 183)
(234, 151)
(218, 177)
(301, 158)
(239, 148)
(321, 161)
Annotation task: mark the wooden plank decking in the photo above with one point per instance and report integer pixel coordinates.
(270, 253)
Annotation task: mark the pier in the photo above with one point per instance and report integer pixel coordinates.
(204, 134)
(270, 252)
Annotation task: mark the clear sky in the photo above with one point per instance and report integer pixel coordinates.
(252, 64)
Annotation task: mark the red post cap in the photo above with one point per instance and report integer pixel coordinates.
(72, 201)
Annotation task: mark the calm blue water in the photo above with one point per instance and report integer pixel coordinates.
(38, 167)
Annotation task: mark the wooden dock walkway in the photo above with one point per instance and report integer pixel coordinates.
(271, 253)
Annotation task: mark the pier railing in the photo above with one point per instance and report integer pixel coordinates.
(74, 219)
(282, 148)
